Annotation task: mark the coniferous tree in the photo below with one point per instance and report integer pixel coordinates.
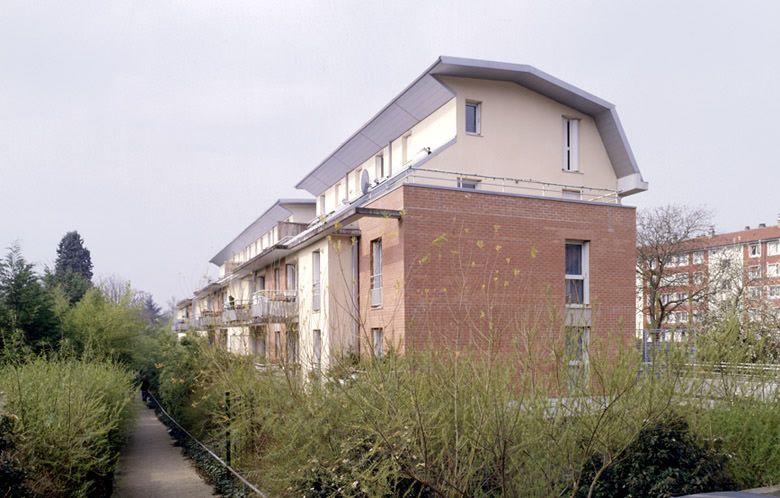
(25, 305)
(73, 268)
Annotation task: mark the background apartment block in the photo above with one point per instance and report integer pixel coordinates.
(738, 269)
(481, 208)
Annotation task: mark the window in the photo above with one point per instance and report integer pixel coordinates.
(774, 292)
(292, 279)
(315, 281)
(261, 282)
(571, 144)
(276, 279)
(773, 248)
(571, 194)
(468, 183)
(698, 257)
(754, 292)
(754, 250)
(292, 345)
(698, 278)
(405, 148)
(678, 260)
(338, 194)
(754, 272)
(773, 271)
(258, 338)
(666, 298)
(376, 273)
(577, 343)
(681, 316)
(379, 167)
(577, 273)
(473, 118)
(358, 186)
(378, 335)
(316, 349)
(277, 344)
(322, 204)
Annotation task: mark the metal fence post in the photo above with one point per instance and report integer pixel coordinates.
(227, 427)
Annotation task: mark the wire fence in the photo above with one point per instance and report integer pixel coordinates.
(208, 450)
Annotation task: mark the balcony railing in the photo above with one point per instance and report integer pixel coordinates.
(269, 305)
(181, 325)
(522, 186)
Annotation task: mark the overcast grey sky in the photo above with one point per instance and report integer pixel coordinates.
(160, 129)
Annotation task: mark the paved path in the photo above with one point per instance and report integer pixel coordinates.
(151, 466)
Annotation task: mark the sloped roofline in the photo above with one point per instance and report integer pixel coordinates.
(275, 213)
(383, 128)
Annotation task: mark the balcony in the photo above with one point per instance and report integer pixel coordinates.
(207, 318)
(237, 312)
(275, 305)
(181, 325)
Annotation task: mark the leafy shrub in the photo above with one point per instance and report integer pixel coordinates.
(664, 460)
(71, 417)
(11, 474)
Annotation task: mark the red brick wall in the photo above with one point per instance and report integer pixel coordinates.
(486, 271)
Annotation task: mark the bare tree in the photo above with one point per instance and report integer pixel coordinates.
(663, 235)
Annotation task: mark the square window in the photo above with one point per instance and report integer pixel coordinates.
(773, 271)
(773, 248)
(473, 118)
(698, 257)
(754, 272)
(754, 250)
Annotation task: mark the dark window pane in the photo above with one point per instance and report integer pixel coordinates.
(573, 259)
(471, 118)
(575, 292)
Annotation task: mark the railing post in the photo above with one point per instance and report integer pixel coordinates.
(227, 427)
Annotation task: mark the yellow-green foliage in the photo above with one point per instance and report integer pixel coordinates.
(71, 416)
(425, 424)
(101, 328)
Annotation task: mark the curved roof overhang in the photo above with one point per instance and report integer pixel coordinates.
(427, 93)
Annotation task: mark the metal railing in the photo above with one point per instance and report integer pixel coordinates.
(274, 305)
(524, 186)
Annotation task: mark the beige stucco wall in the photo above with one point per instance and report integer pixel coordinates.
(333, 318)
(521, 136)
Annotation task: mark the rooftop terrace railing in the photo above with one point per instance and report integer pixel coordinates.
(484, 183)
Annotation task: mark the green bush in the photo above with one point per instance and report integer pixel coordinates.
(664, 460)
(71, 420)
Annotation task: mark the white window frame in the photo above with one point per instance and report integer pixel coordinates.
(754, 292)
(773, 292)
(773, 248)
(773, 270)
(698, 257)
(378, 341)
(322, 209)
(477, 118)
(316, 346)
(585, 254)
(316, 281)
(571, 144)
(754, 271)
(375, 286)
(468, 183)
(757, 246)
(379, 167)
(574, 194)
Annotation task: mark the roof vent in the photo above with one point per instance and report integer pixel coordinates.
(712, 231)
(762, 225)
(747, 227)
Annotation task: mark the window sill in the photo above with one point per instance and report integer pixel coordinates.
(376, 307)
(471, 134)
(577, 306)
(575, 171)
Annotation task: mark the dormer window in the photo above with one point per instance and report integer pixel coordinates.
(473, 117)
(571, 144)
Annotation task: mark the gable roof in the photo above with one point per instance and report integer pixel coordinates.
(273, 215)
(427, 93)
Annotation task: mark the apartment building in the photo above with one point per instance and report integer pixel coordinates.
(481, 208)
(737, 269)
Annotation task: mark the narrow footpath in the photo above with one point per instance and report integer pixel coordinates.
(151, 466)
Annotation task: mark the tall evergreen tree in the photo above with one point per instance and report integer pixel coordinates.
(73, 268)
(25, 305)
